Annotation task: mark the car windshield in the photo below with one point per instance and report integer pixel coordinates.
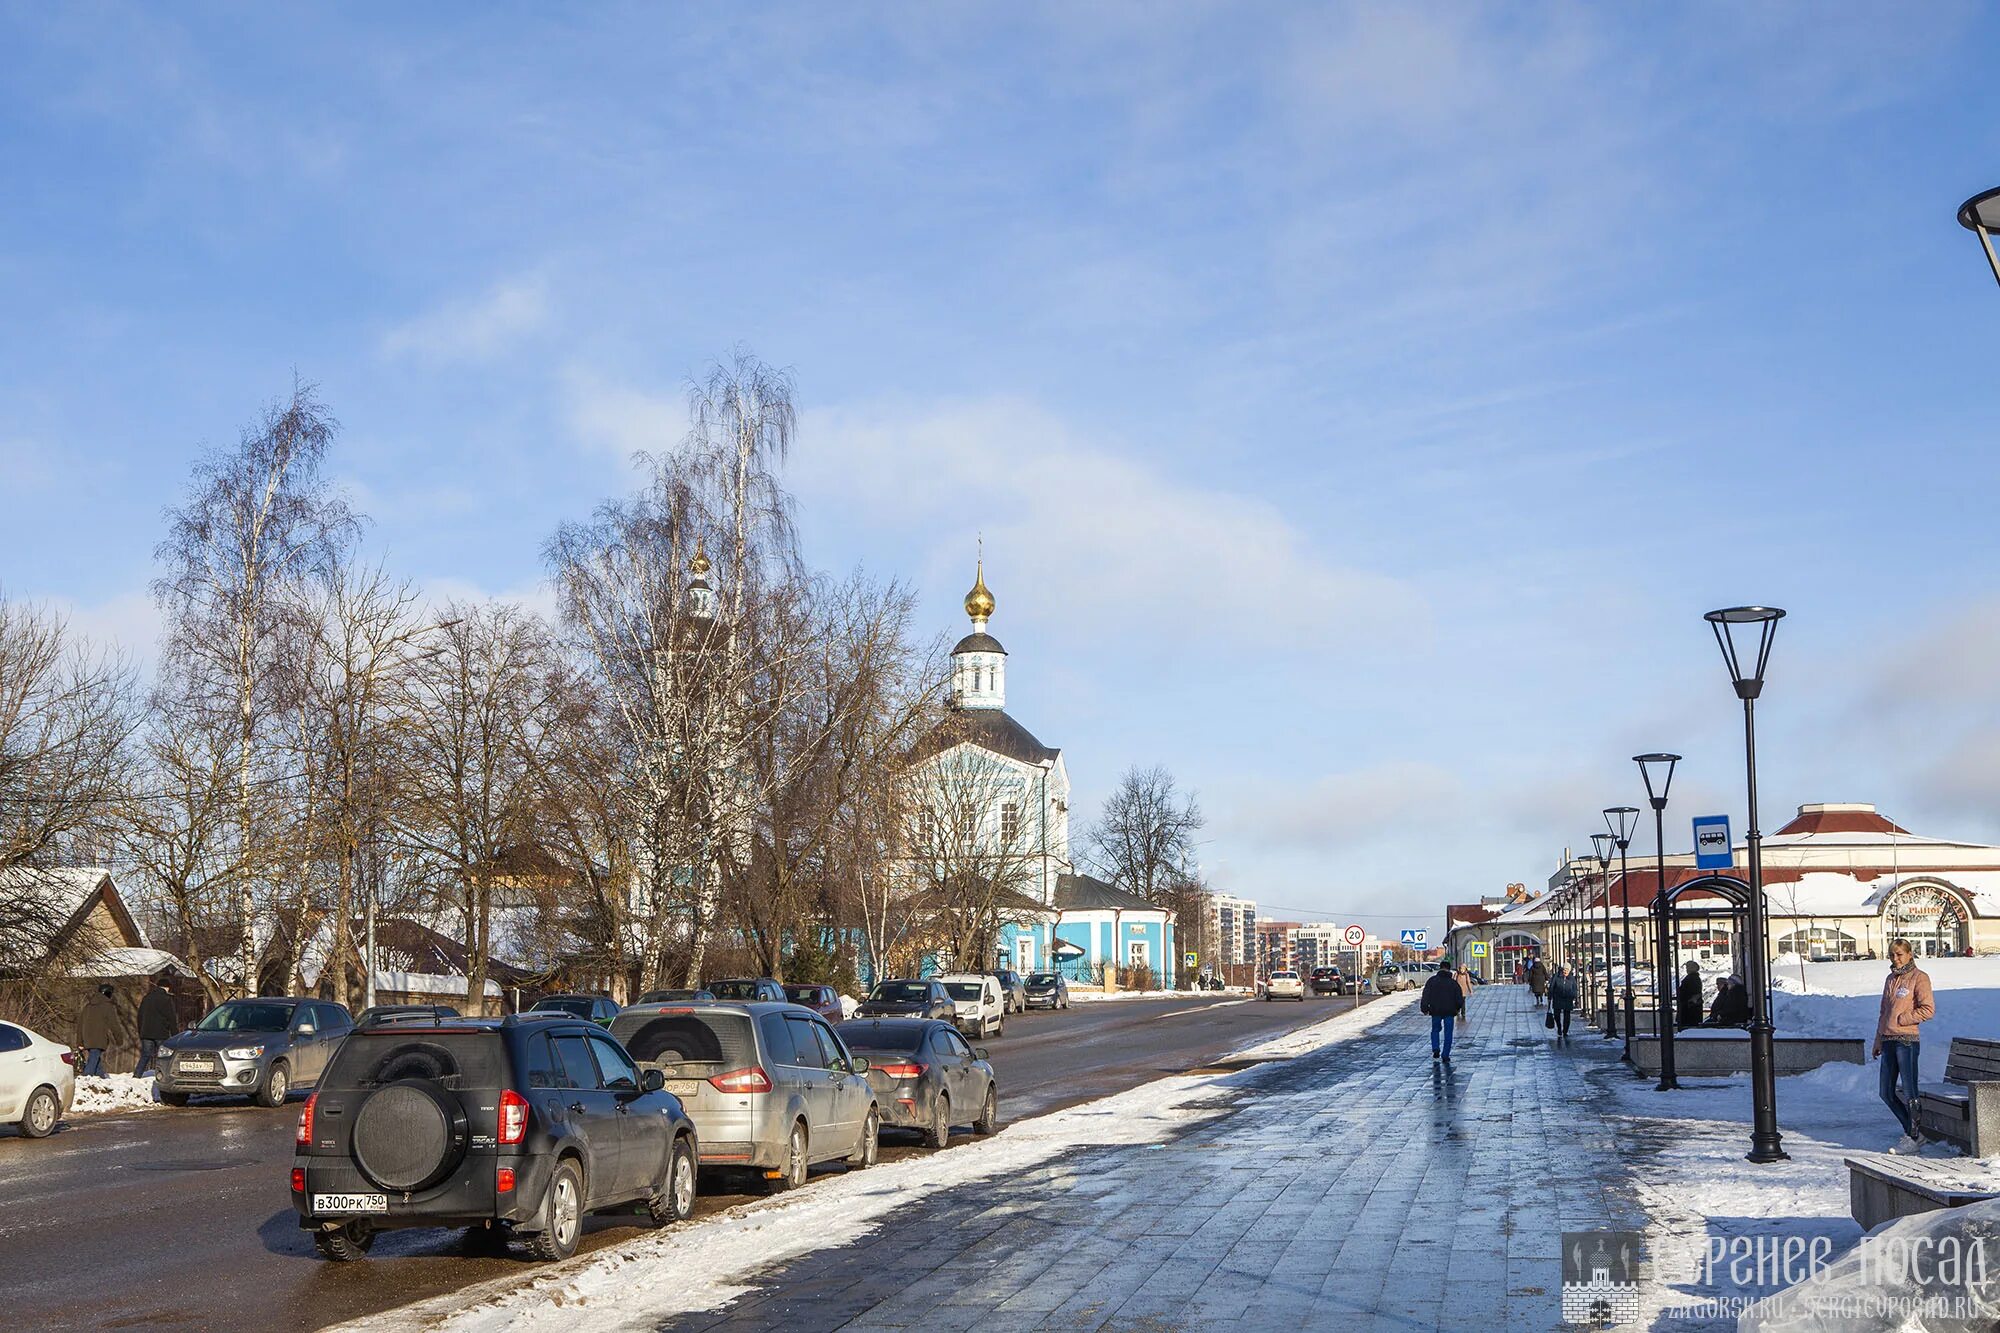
(901, 992)
(465, 1060)
(566, 1004)
(247, 1016)
(1284, 976)
(866, 1036)
(657, 996)
(964, 990)
(1040, 979)
(802, 994)
(733, 990)
(706, 1037)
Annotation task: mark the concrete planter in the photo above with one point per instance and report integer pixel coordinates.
(1714, 1053)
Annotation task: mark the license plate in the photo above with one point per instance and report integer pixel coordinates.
(684, 1087)
(196, 1066)
(350, 1203)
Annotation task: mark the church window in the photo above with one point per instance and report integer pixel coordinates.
(1010, 822)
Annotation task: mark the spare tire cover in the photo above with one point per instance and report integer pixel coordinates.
(405, 1137)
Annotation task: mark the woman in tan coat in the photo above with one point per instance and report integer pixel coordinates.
(1906, 1002)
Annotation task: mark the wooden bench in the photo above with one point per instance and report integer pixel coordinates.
(1970, 1119)
(1881, 1188)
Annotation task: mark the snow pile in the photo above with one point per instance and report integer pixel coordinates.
(1926, 1274)
(849, 1006)
(112, 1092)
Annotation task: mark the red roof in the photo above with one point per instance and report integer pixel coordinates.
(1468, 914)
(1840, 821)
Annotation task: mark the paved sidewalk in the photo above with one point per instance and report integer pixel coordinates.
(1360, 1187)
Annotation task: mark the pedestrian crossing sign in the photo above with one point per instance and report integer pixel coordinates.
(1479, 948)
(1416, 937)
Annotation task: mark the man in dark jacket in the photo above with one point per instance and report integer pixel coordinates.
(157, 1022)
(1562, 999)
(97, 1029)
(1687, 999)
(1444, 1001)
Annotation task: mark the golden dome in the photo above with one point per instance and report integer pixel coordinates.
(700, 562)
(979, 602)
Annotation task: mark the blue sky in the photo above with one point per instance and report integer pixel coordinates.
(1360, 404)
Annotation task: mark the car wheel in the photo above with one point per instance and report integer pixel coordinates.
(938, 1133)
(173, 1099)
(277, 1086)
(347, 1242)
(794, 1173)
(564, 1207)
(869, 1149)
(989, 1114)
(675, 1203)
(38, 1118)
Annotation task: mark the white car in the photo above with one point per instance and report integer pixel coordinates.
(978, 1002)
(1285, 986)
(1389, 978)
(37, 1081)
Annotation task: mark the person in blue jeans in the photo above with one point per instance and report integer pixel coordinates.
(1444, 1000)
(1906, 1002)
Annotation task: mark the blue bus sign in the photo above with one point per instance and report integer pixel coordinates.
(1711, 843)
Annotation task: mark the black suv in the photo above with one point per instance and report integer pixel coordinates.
(512, 1126)
(1328, 981)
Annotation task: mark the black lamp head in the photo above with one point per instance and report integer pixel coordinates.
(1733, 626)
(1621, 820)
(1658, 772)
(1980, 215)
(1603, 843)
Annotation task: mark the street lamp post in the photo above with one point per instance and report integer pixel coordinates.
(1660, 767)
(1601, 843)
(1980, 215)
(1620, 819)
(1748, 677)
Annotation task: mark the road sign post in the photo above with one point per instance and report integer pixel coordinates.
(1355, 937)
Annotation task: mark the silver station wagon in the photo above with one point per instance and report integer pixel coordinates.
(770, 1088)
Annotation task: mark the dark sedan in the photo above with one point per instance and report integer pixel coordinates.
(908, 999)
(1047, 990)
(925, 1076)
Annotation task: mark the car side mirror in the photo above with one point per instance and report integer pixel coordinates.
(860, 1066)
(979, 1052)
(305, 1029)
(653, 1080)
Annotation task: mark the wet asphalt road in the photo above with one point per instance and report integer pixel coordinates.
(181, 1219)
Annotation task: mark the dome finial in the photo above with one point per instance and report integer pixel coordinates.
(979, 602)
(700, 562)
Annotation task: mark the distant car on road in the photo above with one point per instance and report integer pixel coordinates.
(1047, 990)
(681, 996)
(1012, 990)
(748, 990)
(770, 1087)
(513, 1126)
(822, 1000)
(925, 1076)
(599, 1009)
(399, 1013)
(37, 1080)
(1285, 986)
(263, 1048)
(981, 1008)
(1328, 981)
(908, 998)
(1390, 977)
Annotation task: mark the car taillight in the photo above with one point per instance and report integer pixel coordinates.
(908, 1069)
(753, 1079)
(69, 1058)
(513, 1116)
(298, 1180)
(306, 1121)
(503, 1180)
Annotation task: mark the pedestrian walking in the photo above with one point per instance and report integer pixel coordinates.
(1538, 981)
(1906, 1002)
(1465, 984)
(97, 1030)
(1444, 1002)
(1562, 1000)
(1687, 999)
(158, 1021)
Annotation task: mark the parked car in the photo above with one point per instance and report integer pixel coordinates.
(599, 1009)
(263, 1049)
(1012, 990)
(925, 1077)
(1389, 978)
(1047, 990)
(1284, 986)
(980, 1008)
(906, 998)
(517, 1126)
(822, 1000)
(399, 1013)
(37, 1080)
(748, 990)
(1328, 981)
(681, 996)
(770, 1087)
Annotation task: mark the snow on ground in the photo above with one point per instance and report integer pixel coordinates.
(112, 1092)
(701, 1266)
(1692, 1177)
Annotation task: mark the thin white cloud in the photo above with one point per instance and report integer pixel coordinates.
(1386, 802)
(622, 419)
(476, 329)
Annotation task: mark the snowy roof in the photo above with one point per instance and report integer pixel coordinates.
(57, 896)
(428, 983)
(131, 962)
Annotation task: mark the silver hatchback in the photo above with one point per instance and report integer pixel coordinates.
(771, 1088)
